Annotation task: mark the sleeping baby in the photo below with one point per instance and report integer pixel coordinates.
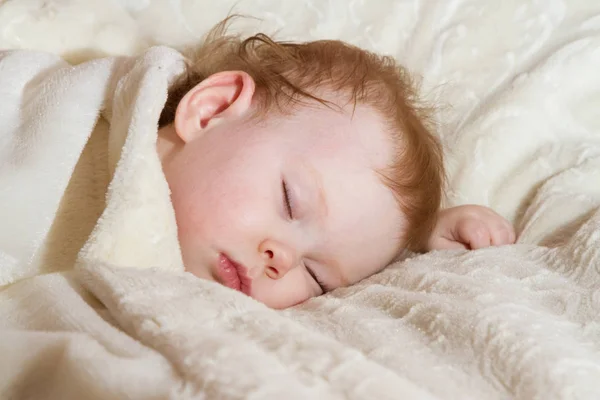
(298, 168)
(280, 170)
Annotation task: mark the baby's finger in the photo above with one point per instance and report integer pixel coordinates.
(512, 235)
(500, 235)
(503, 233)
(441, 243)
(474, 233)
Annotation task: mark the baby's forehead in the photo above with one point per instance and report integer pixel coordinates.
(358, 129)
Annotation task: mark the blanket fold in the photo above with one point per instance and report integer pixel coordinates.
(49, 111)
(95, 303)
(55, 169)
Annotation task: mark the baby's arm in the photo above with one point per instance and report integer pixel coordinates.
(470, 227)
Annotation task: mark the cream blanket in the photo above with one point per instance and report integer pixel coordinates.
(515, 322)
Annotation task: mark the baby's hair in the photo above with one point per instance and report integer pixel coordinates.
(288, 74)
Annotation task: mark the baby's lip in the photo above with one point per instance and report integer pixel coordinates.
(233, 274)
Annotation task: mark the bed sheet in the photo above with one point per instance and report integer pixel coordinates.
(517, 92)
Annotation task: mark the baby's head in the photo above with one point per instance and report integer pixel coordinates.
(296, 168)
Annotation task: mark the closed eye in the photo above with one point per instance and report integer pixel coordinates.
(319, 282)
(286, 199)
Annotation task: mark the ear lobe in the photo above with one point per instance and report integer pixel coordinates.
(219, 98)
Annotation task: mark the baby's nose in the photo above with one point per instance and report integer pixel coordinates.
(279, 258)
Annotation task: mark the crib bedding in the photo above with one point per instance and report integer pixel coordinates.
(517, 93)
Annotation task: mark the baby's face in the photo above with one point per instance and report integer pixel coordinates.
(286, 208)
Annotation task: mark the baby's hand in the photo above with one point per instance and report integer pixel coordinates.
(470, 227)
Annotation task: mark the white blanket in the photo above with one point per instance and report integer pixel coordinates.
(520, 91)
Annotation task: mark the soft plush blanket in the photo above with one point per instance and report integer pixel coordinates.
(518, 91)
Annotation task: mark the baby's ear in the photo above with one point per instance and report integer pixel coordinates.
(218, 98)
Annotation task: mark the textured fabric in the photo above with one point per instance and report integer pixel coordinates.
(518, 94)
(47, 114)
(67, 132)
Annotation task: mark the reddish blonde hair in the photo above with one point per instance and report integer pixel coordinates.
(288, 74)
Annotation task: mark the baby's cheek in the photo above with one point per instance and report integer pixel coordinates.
(282, 293)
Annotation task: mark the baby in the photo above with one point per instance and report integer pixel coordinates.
(298, 168)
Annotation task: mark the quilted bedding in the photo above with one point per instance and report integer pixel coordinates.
(517, 90)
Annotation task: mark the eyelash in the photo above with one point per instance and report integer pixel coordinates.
(316, 278)
(286, 200)
(290, 211)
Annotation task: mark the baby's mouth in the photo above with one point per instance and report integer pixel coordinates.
(233, 275)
